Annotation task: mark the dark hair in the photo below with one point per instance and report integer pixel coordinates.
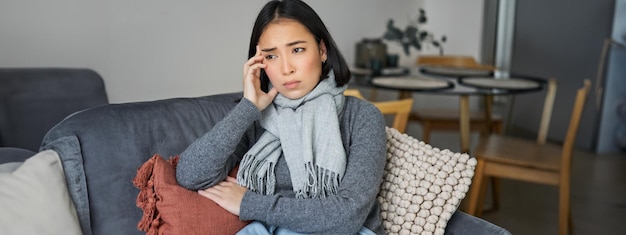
(299, 11)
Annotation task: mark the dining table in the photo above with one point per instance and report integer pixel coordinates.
(461, 82)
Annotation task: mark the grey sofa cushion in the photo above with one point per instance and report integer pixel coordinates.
(10, 154)
(33, 100)
(115, 139)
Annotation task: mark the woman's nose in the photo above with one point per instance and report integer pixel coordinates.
(288, 68)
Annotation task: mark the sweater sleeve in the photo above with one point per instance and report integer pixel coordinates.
(208, 159)
(364, 136)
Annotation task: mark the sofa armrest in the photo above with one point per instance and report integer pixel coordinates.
(462, 223)
(105, 145)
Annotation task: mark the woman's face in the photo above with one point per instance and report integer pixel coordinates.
(292, 57)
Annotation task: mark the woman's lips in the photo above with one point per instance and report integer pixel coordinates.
(291, 84)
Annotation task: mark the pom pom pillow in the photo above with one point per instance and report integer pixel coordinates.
(171, 209)
(423, 186)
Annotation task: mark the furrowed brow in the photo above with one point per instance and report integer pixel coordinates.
(288, 44)
(296, 42)
(268, 49)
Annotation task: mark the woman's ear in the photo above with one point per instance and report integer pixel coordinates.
(323, 55)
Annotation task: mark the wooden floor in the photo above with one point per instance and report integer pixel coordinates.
(598, 195)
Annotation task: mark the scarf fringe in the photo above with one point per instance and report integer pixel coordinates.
(321, 182)
(248, 175)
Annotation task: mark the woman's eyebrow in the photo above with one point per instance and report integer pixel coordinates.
(268, 49)
(296, 42)
(288, 44)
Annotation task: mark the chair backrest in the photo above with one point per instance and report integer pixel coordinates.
(452, 60)
(353, 92)
(546, 115)
(570, 137)
(400, 109)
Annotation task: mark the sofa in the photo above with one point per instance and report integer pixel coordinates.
(101, 149)
(33, 100)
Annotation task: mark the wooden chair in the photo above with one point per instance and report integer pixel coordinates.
(448, 119)
(452, 61)
(399, 108)
(533, 161)
(354, 92)
(541, 138)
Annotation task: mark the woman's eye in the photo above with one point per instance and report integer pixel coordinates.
(269, 57)
(298, 50)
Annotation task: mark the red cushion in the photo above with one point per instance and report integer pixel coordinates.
(171, 209)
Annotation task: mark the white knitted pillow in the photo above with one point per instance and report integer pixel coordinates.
(422, 186)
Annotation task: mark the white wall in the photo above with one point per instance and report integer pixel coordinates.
(461, 21)
(147, 49)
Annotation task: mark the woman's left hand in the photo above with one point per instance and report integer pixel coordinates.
(228, 194)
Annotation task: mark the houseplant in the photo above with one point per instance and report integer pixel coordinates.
(413, 36)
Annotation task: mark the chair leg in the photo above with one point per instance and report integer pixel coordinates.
(495, 194)
(484, 131)
(404, 95)
(570, 222)
(475, 189)
(481, 198)
(426, 132)
(565, 214)
(497, 128)
(373, 94)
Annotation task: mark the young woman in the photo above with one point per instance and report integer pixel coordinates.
(310, 159)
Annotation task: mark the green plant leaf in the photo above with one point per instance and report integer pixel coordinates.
(410, 31)
(406, 48)
(423, 35)
(417, 44)
(422, 16)
(392, 33)
(412, 36)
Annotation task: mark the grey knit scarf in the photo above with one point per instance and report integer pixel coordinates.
(306, 131)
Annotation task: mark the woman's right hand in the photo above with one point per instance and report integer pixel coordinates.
(252, 82)
(227, 194)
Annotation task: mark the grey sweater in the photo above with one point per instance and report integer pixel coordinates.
(208, 160)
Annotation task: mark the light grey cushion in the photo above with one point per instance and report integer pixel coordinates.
(34, 198)
(9, 166)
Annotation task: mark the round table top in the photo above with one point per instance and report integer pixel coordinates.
(512, 83)
(412, 83)
(451, 71)
(478, 85)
